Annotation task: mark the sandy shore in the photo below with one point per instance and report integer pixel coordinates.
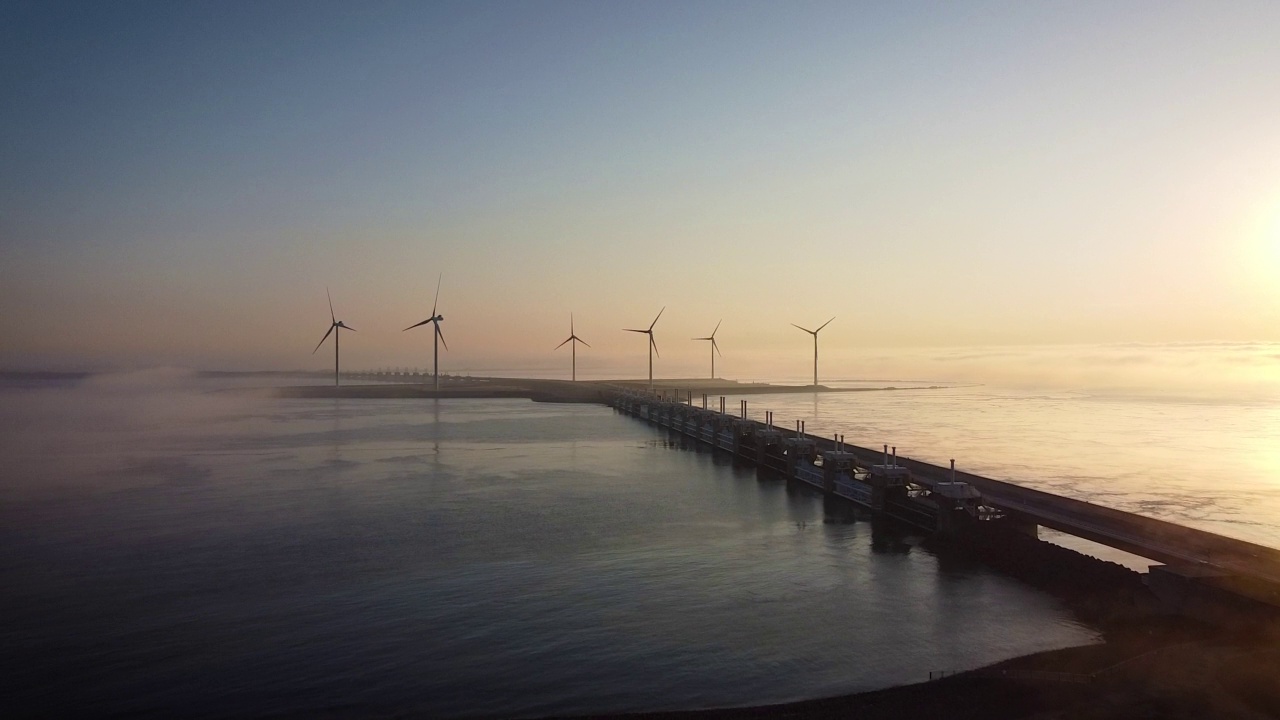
(1158, 668)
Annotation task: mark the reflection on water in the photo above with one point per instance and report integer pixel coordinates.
(208, 552)
(1209, 464)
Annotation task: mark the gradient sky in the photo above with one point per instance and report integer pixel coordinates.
(179, 182)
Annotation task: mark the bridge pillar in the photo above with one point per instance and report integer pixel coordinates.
(765, 440)
(799, 450)
(886, 478)
(743, 436)
(1019, 523)
(835, 462)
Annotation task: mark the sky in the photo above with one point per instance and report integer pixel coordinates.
(181, 182)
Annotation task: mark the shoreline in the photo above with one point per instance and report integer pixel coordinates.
(1005, 689)
(1149, 663)
(1160, 667)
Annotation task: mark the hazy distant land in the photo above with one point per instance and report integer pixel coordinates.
(555, 390)
(389, 386)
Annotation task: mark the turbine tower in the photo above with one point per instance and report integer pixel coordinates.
(714, 349)
(814, 333)
(435, 319)
(334, 324)
(653, 346)
(574, 339)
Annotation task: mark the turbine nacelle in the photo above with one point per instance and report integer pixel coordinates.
(814, 333)
(437, 334)
(712, 337)
(573, 337)
(653, 345)
(573, 341)
(334, 326)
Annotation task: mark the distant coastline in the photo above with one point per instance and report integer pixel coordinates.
(562, 391)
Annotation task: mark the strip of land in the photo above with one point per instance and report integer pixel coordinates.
(562, 391)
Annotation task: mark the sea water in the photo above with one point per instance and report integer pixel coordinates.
(1209, 463)
(167, 546)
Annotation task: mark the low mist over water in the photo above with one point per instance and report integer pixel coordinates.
(1058, 224)
(169, 548)
(1247, 373)
(1211, 464)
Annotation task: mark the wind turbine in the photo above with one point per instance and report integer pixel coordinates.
(653, 346)
(714, 349)
(334, 324)
(814, 333)
(439, 336)
(574, 339)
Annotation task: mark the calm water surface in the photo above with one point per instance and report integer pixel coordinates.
(167, 549)
(1211, 464)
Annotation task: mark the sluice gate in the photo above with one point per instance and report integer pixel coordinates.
(1202, 570)
(827, 466)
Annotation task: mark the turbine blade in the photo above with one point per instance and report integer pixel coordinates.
(326, 337)
(570, 324)
(713, 332)
(655, 320)
(441, 334)
(811, 332)
(654, 343)
(562, 344)
(424, 322)
(331, 317)
(584, 342)
(639, 331)
(437, 300)
(347, 327)
(833, 317)
(717, 347)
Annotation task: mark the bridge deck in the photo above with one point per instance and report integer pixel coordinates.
(1148, 537)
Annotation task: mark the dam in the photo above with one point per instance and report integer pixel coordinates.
(1195, 572)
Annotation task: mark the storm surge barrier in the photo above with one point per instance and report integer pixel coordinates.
(1202, 573)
